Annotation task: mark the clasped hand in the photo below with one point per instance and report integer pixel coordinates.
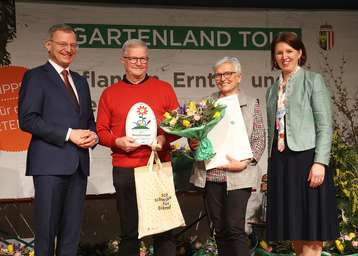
(83, 138)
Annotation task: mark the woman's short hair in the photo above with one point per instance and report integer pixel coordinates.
(131, 43)
(292, 40)
(232, 60)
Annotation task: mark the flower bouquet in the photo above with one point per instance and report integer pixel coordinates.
(194, 121)
(346, 244)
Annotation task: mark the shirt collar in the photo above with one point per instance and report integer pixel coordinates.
(58, 68)
(129, 82)
(291, 75)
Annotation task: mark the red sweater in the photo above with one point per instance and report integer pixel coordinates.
(114, 105)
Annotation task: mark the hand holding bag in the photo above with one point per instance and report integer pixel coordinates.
(158, 207)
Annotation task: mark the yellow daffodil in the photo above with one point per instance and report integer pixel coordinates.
(351, 235)
(10, 248)
(216, 114)
(192, 106)
(167, 115)
(264, 244)
(186, 123)
(339, 246)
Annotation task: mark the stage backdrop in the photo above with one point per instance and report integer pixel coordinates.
(184, 43)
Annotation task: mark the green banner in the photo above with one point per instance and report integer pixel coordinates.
(178, 37)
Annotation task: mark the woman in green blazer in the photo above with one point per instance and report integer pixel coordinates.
(301, 193)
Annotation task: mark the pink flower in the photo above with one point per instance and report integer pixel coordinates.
(347, 238)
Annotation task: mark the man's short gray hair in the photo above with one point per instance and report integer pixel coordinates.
(59, 27)
(131, 43)
(232, 60)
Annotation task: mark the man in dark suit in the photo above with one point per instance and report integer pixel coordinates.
(55, 107)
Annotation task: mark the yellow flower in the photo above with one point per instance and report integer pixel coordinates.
(192, 106)
(176, 146)
(339, 246)
(351, 235)
(167, 115)
(264, 244)
(186, 123)
(10, 248)
(32, 253)
(216, 115)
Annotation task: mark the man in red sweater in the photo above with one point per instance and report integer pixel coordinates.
(114, 105)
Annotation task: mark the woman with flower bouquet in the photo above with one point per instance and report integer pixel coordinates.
(228, 187)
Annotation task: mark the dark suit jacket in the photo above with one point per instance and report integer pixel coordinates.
(47, 112)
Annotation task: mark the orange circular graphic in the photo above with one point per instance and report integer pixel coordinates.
(11, 137)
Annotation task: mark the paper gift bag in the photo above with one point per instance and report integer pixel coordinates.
(158, 207)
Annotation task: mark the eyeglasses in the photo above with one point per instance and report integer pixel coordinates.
(225, 75)
(134, 60)
(64, 45)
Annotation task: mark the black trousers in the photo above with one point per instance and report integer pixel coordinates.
(227, 210)
(59, 203)
(163, 243)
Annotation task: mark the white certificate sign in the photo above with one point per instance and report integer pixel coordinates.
(229, 136)
(141, 124)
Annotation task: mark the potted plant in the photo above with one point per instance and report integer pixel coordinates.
(344, 160)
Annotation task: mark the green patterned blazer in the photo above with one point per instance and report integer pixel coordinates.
(308, 118)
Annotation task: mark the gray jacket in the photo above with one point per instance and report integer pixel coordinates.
(248, 177)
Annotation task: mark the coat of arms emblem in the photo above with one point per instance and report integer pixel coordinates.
(326, 37)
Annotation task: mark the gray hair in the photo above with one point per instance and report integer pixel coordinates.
(59, 27)
(232, 60)
(131, 43)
